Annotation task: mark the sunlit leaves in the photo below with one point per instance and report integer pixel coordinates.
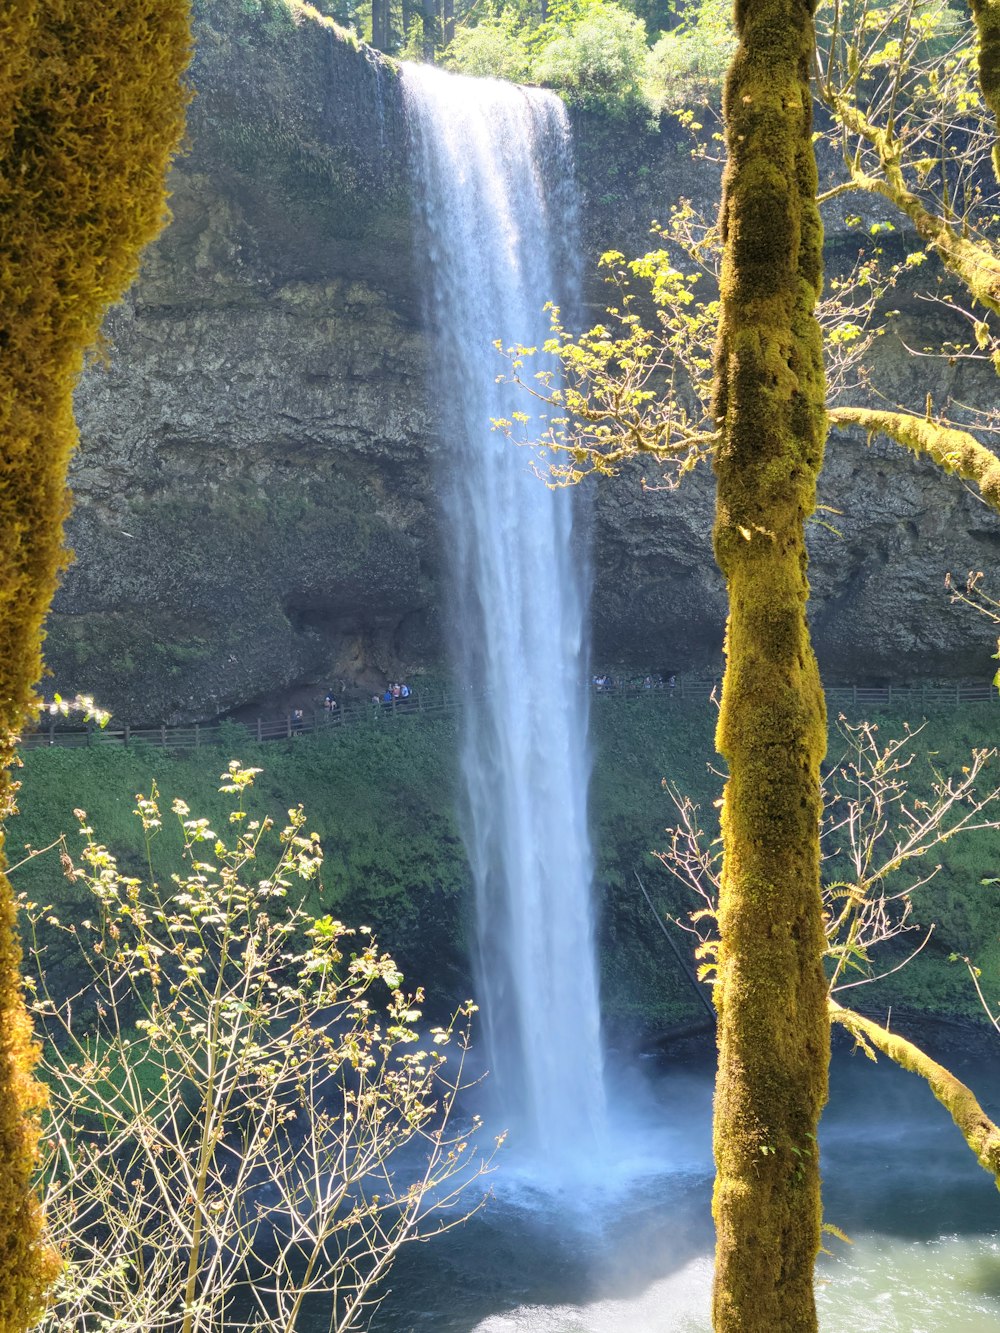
(639, 381)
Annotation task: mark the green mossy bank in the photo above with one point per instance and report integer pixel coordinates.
(385, 798)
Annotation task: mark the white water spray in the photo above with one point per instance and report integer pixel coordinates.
(496, 204)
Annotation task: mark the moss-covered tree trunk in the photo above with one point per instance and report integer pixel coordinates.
(91, 107)
(771, 991)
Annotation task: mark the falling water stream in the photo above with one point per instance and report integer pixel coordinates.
(496, 208)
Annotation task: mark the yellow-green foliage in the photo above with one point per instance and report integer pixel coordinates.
(91, 108)
(771, 992)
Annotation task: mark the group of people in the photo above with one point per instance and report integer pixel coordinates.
(606, 682)
(398, 692)
(658, 683)
(392, 694)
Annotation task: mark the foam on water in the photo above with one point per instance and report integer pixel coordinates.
(880, 1285)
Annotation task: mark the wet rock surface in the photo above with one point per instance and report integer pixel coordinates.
(256, 488)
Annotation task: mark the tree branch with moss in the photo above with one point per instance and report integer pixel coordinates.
(954, 451)
(975, 1126)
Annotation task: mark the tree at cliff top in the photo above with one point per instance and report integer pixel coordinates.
(764, 426)
(595, 53)
(91, 108)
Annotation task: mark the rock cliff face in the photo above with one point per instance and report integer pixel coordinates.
(255, 509)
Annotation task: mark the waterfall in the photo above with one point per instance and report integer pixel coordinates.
(496, 213)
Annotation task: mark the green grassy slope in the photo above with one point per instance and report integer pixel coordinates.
(641, 741)
(383, 796)
(380, 796)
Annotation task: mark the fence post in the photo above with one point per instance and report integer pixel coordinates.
(854, 695)
(260, 735)
(680, 682)
(889, 695)
(197, 736)
(288, 726)
(958, 691)
(127, 732)
(163, 734)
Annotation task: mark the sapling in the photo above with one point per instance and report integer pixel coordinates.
(245, 1119)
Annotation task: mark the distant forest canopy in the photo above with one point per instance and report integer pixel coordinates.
(643, 56)
(639, 57)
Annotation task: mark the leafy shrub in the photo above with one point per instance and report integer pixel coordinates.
(687, 67)
(232, 1090)
(599, 63)
(494, 49)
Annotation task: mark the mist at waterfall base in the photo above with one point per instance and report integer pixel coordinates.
(923, 1216)
(601, 1217)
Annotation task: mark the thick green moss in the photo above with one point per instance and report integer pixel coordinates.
(954, 451)
(91, 108)
(987, 17)
(771, 991)
(979, 1131)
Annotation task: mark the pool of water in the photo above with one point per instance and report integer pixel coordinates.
(629, 1251)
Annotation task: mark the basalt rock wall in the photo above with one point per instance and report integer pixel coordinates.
(256, 509)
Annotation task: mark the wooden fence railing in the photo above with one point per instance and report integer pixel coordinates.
(447, 703)
(841, 696)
